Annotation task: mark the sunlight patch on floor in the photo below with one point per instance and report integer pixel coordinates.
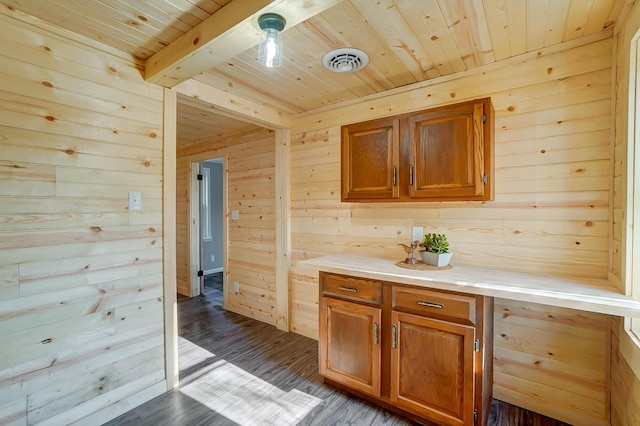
(237, 394)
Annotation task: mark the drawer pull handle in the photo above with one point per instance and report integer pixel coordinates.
(394, 336)
(350, 289)
(431, 304)
(376, 333)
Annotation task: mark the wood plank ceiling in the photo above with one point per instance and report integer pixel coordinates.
(408, 41)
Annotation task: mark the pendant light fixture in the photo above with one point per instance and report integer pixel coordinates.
(270, 51)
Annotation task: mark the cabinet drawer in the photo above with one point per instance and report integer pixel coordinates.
(351, 288)
(458, 307)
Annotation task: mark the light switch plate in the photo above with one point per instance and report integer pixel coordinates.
(235, 215)
(417, 234)
(135, 201)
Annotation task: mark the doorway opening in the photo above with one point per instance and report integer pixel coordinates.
(208, 256)
(188, 143)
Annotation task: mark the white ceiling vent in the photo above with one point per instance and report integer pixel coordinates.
(345, 60)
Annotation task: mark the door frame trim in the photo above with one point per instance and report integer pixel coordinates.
(169, 238)
(250, 112)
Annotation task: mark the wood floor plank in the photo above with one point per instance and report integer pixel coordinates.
(286, 361)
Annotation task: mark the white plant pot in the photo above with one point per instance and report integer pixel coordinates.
(435, 259)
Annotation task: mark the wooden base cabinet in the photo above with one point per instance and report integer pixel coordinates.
(432, 368)
(423, 352)
(351, 353)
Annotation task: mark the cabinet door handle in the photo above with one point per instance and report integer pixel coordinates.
(394, 336)
(349, 289)
(411, 175)
(376, 333)
(395, 176)
(431, 304)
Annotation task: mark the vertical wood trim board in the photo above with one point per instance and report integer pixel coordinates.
(169, 246)
(81, 276)
(550, 215)
(283, 225)
(250, 174)
(225, 230)
(625, 380)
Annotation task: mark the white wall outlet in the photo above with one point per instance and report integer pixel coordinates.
(236, 287)
(235, 215)
(417, 233)
(135, 201)
(213, 257)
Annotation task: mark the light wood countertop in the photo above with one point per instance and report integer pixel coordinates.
(594, 295)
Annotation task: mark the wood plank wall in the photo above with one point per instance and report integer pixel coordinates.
(251, 248)
(81, 311)
(625, 381)
(625, 384)
(550, 214)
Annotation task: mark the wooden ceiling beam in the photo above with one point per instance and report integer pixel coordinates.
(223, 35)
(233, 106)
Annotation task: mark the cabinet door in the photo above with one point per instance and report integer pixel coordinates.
(432, 368)
(349, 348)
(370, 157)
(447, 155)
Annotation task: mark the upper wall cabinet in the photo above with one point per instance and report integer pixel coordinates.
(370, 158)
(441, 154)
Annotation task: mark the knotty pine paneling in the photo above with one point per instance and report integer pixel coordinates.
(249, 161)
(9, 284)
(550, 215)
(141, 28)
(81, 286)
(625, 385)
(625, 381)
(537, 348)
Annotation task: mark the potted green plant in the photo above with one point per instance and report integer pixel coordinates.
(436, 250)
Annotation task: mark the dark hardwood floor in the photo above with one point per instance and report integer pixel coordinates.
(235, 370)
